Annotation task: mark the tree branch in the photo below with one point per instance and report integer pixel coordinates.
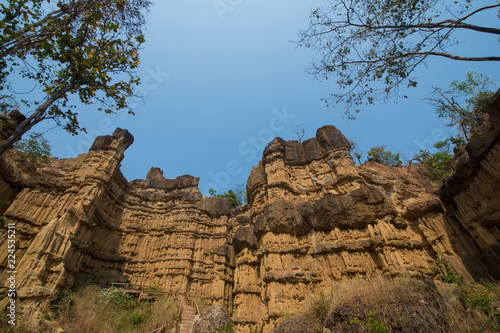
(454, 57)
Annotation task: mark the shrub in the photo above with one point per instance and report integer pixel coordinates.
(373, 325)
(119, 298)
(34, 151)
(93, 310)
(379, 154)
(227, 329)
(321, 306)
(438, 164)
(448, 273)
(232, 196)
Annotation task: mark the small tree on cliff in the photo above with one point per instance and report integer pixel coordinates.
(379, 154)
(34, 151)
(83, 48)
(438, 164)
(464, 105)
(230, 195)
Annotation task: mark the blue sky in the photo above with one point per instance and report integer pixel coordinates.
(221, 78)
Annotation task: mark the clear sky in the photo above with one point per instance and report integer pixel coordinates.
(221, 78)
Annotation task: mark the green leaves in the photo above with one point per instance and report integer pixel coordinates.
(379, 154)
(438, 164)
(372, 47)
(34, 151)
(235, 199)
(84, 51)
(465, 104)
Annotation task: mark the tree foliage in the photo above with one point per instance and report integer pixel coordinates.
(372, 47)
(231, 195)
(241, 192)
(464, 105)
(355, 151)
(86, 49)
(438, 164)
(379, 154)
(34, 151)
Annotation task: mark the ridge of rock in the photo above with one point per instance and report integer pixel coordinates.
(312, 217)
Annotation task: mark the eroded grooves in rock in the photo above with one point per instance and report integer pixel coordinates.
(312, 217)
(472, 193)
(81, 216)
(316, 217)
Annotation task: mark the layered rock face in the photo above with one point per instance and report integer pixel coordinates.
(312, 217)
(81, 216)
(472, 196)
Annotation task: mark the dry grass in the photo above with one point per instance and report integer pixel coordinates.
(398, 304)
(88, 311)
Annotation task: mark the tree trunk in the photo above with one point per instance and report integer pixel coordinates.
(34, 119)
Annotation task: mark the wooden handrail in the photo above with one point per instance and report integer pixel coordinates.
(195, 304)
(178, 317)
(159, 330)
(147, 290)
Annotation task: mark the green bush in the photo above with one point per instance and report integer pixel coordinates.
(373, 325)
(63, 304)
(155, 288)
(2, 217)
(230, 195)
(136, 319)
(119, 298)
(448, 273)
(438, 165)
(379, 154)
(93, 310)
(227, 329)
(34, 151)
(481, 296)
(321, 306)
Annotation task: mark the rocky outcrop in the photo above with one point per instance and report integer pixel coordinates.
(313, 217)
(81, 216)
(471, 196)
(212, 320)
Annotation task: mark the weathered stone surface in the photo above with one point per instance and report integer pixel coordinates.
(317, 218)
(212, 320)
(313, 217)
(472, 195)
(244, 238)
(294, 153)
(216, 207)
(354, 211)
(119, 137)
(148, 233)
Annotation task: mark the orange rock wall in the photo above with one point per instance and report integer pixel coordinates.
(313, 216)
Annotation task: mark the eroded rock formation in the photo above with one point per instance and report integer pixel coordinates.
(81, 216)
(313, 217)
(472, 196)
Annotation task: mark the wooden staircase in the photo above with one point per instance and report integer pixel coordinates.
(187, 316)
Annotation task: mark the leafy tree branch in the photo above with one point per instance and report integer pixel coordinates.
(84, 51)
(372, 47)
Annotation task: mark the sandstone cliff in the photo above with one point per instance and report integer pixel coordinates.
(472, 196)
(81, 216)
(313, 217)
